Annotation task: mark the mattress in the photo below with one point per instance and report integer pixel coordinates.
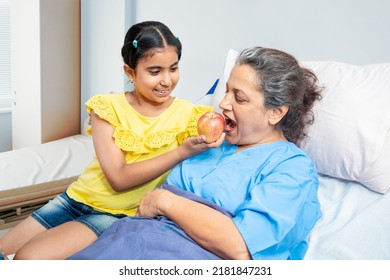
(354, 223)
(29, 177)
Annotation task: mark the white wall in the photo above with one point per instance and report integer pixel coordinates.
(353, 31)
(103, 25)
(5, 132)
(45, 55)
(25, 27)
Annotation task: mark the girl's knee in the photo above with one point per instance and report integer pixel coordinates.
(26, 254)
(32, 252)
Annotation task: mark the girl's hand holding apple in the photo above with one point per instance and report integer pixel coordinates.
(211, 125)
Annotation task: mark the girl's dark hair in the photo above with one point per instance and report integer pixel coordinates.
(142, 39)
(284, 82)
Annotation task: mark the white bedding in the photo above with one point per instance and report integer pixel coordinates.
(354, 223)
(51, 161)
(29, 177)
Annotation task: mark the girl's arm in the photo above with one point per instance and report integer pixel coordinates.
(123, 176)
(211, 229)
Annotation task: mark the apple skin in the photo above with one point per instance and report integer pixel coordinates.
(211, 125)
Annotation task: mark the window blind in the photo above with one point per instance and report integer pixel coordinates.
(5, 56)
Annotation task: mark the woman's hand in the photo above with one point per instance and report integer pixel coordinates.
(154, 203)
(208, 227)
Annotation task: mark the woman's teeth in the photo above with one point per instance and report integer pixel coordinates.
(230, 125)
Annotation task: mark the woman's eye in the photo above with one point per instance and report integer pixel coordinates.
(239, 99)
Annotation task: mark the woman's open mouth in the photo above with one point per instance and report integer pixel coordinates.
(230, 125)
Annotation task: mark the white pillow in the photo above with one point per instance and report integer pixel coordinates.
(350, 136)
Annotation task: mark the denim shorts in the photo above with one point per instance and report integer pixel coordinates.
(63, 209)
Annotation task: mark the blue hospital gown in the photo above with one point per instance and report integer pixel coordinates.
(270, 192)
(271, 189)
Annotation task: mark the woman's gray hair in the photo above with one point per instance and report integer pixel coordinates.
(284, 82)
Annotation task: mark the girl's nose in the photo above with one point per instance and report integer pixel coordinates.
(166, 79)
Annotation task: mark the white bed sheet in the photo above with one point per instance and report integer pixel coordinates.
(354, 225)
(31, 176)
(47, 162)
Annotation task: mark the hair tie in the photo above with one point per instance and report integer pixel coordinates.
(177, 37)
(135, 44)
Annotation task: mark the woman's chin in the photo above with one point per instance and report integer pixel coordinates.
(231, 138)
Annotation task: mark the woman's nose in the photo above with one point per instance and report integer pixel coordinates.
(225, 104)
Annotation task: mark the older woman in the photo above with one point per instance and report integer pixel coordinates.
(253, 197)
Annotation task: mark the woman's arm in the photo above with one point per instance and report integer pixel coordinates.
(123, 176)
(211, 229)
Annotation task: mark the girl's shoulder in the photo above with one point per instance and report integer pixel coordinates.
(107, 106)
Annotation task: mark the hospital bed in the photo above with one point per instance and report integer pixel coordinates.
(349, 142)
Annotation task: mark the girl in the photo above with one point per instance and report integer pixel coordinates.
(136, 136)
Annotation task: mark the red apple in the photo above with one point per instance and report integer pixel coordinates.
(211, 124)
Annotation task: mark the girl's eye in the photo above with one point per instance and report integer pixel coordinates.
(154, 73)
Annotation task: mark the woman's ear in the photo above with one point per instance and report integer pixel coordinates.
(277, 114)
(130, 73)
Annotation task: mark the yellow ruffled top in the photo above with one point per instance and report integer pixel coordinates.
(140, 138)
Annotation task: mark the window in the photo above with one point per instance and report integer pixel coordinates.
(5, 56)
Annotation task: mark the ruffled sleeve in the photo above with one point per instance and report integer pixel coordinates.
(191, 129)
(103, 108)
(131, 142)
